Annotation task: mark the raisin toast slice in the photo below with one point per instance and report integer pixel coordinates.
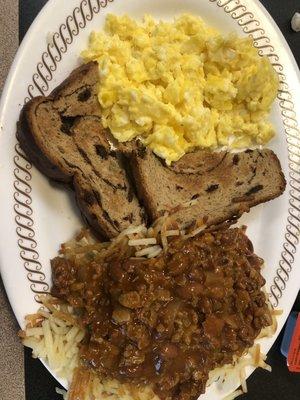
(63, 137)
(220, 186)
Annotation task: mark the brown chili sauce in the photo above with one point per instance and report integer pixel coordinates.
(168, 321)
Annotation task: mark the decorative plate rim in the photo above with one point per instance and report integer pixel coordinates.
(48, 64)
(22, 196)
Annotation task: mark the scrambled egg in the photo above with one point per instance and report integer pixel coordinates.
(181, 85)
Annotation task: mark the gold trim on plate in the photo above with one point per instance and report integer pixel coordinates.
(262, 42)
(56, 48)
(25, 224)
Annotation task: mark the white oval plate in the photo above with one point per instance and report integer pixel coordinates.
(36, 215)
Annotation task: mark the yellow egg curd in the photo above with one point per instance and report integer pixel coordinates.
(181, 85)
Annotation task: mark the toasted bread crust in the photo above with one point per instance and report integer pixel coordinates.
(179, 184)
(25, 134)
(76, 75)
(63, 137)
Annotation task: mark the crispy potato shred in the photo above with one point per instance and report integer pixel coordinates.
(78, 343)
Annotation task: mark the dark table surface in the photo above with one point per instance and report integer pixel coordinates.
(280, 384)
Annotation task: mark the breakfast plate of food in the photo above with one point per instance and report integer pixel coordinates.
(150, 195)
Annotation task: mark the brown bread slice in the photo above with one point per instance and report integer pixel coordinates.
(222, 185)
(63, 136)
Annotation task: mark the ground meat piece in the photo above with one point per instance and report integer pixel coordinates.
(130, 300)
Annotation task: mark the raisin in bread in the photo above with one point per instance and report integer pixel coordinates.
(62, 135)
(220, 185)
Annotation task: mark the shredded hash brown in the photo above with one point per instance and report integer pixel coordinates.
(55, 332)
